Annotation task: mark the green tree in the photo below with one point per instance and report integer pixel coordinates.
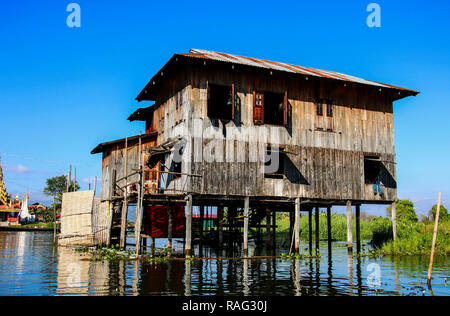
(56, 186)
(405, 211)
(443, 214)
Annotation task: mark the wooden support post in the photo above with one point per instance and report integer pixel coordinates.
(358, 229)
(220, 224)
(436, 227)
(317, 228)
(138, 221)
(95, 185)
(123, 224)
(297, 225)
(246, 211)
(329, 228)
(291, 225)
(69, 179)
(349, 227)
(274, 229)
(394, 219)
(310, 230)
(268, 239)
(188, 247)
(202, 223)
(169, 228)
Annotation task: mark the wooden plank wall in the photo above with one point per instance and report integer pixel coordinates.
(330, 163)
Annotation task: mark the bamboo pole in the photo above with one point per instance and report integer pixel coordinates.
(69, 178)
(220, 224)
(317, 228)
(436, 227)
(329, 227)
(54, 219)
(202, 223)
(349, 227)
(310, 230)
(394, 220)
(123, 225)
(170, 229)
(297, 225)
(137, 224)
(358, 228)
(246, 211)
(188, 246)
(268, 234)
(274, 229)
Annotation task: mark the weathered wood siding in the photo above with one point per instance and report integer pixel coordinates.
(330, 164)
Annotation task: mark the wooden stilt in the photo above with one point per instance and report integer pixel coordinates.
(220, 224)
(310, 230)
(317, 228)
(329, 228)
(202, 223)
(297, 225)
(358, 228)
(123, 224)
(349, 227)
(268, 239)
(138, 221)
(274, 229)
(169, 228)
(291, 225)
(188, 247)
(246, 212)
(394, 220)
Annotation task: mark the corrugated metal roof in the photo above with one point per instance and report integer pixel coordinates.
(279, 66)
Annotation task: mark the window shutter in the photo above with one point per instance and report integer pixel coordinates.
(258, 107)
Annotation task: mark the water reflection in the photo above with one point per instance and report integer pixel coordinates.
(29, 265)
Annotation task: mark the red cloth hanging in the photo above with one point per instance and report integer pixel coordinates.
(156, 221)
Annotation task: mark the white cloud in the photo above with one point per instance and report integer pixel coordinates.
(18, 169)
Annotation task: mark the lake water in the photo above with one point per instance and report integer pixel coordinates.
(29, 265)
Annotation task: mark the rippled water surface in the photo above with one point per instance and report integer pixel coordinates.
(29, 265)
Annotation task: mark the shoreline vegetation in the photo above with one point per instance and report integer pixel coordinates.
(414, 237)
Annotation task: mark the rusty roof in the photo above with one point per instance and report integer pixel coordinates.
(272, 65)
(105, 146)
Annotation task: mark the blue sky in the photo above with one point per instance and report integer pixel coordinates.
(64, 90)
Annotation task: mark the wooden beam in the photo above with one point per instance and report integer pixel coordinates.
(123, 224)
(297, 225)
(349, 227)
(394, 220)
(268, 237)
(274, 229)
(433, 245)
(138, 221)
(202, 223)
(317, 229)
(169, 228)
(246, 214)
(310, 230)
(188, 247)
(358, 229)
(220, 224)
(329, 227)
